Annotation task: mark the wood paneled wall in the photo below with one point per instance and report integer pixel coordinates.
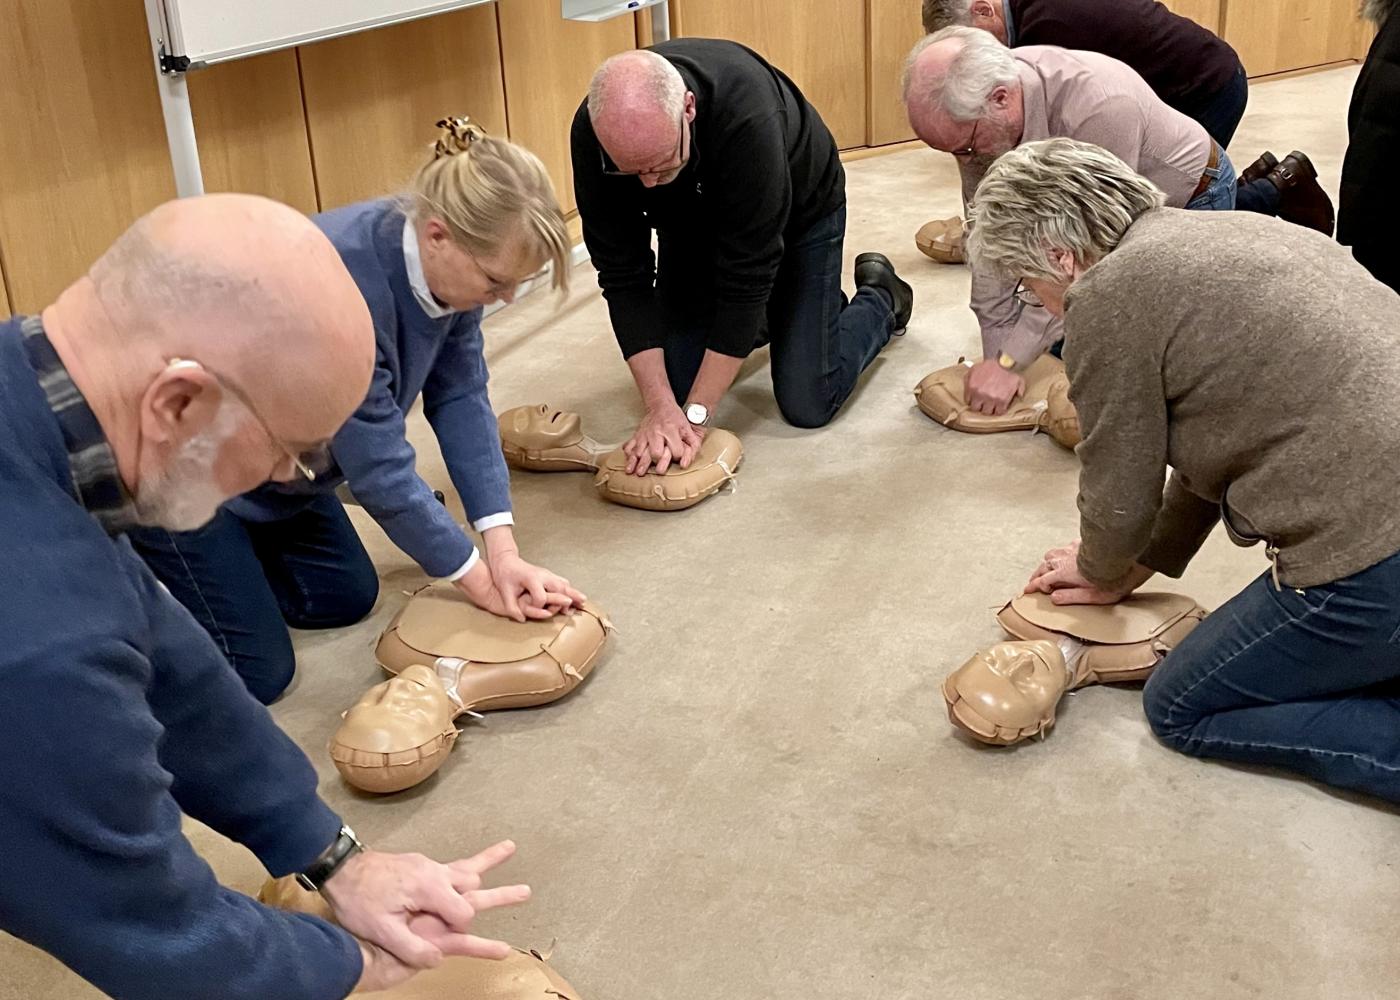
(1204, 12)
(1272, 36)
(820, 44)
(895, 26)
(372, 99)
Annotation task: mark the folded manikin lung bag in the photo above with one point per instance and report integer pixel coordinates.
(1011, 691)
(451, 658)
(1044, 406)
(545, 439)
(523, 975)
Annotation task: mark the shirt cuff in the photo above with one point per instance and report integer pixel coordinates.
(466, 567)
(493, 521)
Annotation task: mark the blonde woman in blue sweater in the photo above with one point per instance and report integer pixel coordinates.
(481, 218)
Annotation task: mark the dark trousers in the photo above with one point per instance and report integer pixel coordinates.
(1220, 116)
(1304, 680)
(245, 582)
(821, 342)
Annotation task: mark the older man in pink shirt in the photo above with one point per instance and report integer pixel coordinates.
(969, 95)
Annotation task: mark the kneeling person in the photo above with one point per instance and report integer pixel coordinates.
(719, 152)
(481, 218)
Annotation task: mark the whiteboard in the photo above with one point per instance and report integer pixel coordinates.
(211, 31)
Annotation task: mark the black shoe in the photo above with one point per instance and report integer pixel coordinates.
(1259, 169)
(1302, 200)
(874, 270)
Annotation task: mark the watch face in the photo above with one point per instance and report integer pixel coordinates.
(696, 413)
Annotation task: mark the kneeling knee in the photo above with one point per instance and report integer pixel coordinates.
(267, 673)
(1168, 723)
(804, 413)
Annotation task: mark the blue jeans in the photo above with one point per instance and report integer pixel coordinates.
(1224, 185)
(245, 582)
(821, 342)
(1304, 680)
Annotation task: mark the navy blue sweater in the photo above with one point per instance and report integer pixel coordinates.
(441, 359)
(117, 713)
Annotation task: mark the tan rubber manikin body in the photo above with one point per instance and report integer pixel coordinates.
(523, 975)
(1044, 405)
(544, 439)
(942, 240)
(452, 658)
(1010, 692)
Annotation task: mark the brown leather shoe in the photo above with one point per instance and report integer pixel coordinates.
(1259, 168)
(1304, 203)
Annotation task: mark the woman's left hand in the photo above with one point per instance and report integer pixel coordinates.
(524, 586)
(1058, 575)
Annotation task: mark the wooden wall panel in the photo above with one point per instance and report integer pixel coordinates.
(84, 142)
(252, 131)
(372, 98)
(548, 63)
(895, 26)
(1273, 36)
(820, 44)
(1204, 12)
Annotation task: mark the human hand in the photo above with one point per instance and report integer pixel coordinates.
(410, 911)
(479, 586)
(1058, 575)
(991, 389)
(664, 436)
(524, 586)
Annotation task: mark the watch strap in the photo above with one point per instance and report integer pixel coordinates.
(330, 861)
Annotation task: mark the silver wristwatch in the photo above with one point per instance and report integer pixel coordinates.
(698, 414)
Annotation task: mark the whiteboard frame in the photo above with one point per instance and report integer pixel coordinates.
(176, 48)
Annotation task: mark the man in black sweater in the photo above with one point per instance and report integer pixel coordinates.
(704, 142)
(1370, 205)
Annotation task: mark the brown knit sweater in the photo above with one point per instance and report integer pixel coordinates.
(1262, 364)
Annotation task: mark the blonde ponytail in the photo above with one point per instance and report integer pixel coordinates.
(487, 189)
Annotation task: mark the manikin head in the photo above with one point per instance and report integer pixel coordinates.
(1048, 211)
(1014, 686)
(989, 15)
(487, 218)
(221, 343)
(641, 113)
(544, 426)
(963, 93)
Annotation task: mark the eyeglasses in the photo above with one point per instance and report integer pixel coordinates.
(312, 462)
(680, 156)
(1025, 296)
(968, 150)
(499, 286)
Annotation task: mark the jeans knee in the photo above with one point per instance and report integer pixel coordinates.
(349, 601)
(1168, 723)
(803, 410)
(268, 670)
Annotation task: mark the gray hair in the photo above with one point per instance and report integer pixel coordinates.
(1375, 11)
(661, 81)
(939, 14)
(981, 66)
(1054, 194)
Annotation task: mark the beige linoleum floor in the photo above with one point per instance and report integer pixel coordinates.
(757, 794)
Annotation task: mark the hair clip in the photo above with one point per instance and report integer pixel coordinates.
(458, 134)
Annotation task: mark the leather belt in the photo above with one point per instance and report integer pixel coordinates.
(1211, 164)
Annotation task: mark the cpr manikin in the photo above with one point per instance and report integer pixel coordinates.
(942, 240)
(1011, 691)
(450, 659)
(542, 438)
(523, 975)
(1044, 406)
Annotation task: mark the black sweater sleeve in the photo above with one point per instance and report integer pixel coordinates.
(618, 237)
(752, 205)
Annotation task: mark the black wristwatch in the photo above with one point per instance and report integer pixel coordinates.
(346, 846)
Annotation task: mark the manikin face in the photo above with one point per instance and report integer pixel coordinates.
(1014, 684)
(544, 426)
(404, 711)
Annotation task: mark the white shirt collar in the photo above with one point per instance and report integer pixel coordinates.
(416, 279)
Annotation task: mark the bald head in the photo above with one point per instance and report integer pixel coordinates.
(255, 295)
(637, 103)
(958, 78)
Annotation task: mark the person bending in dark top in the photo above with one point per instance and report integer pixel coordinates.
(704, 142)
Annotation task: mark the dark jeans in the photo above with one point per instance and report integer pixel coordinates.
(1222, 113)
(1303, 680)
(245, 582)
(821, 342)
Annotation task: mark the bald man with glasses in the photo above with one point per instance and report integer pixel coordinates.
(704, 143)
